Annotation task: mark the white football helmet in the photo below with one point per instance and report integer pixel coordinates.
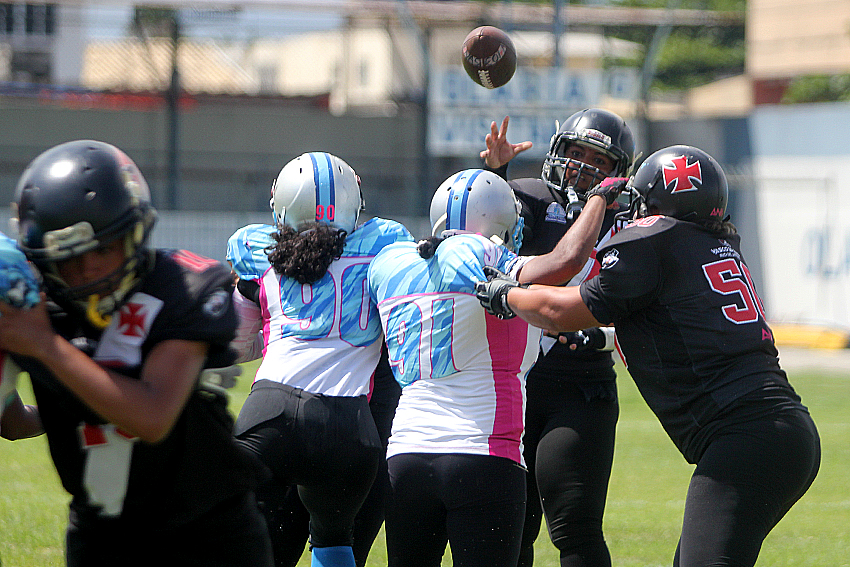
(317, 187)
(479, 201)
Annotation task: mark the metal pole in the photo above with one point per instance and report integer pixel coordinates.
(650, 66)
(557, 32)
(173, 103)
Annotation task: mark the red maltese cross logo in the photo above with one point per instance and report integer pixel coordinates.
(132, 320)
(682, 175)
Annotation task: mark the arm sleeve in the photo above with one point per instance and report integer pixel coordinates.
(248, 342)
(501, 171)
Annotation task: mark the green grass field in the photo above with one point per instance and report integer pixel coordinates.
(645, 500)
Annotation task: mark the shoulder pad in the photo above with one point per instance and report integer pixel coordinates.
(642, 228)
(387, 226)
(373, 235)
(246, 250)
(531, 187)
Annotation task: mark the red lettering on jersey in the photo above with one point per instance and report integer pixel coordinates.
(131, 320)
(95, 435)
(91, 435)
(681, 174)
(194, 262)
(766, 335)
(124, 434)
(647, 221)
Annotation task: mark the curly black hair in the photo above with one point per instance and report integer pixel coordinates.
(306, 255)
(428, 247)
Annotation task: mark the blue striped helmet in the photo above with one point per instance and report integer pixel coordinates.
(479, 201)
(317, 187)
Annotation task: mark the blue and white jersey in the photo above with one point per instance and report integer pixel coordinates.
(462, 370)
(18, 287)
(246, 250)
(324, 337)
(18, 284)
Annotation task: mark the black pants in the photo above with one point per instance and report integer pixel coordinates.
(474, 502)
(569, 450)
(292, 519)
(745, 482)
(326, 446)
(233, 534)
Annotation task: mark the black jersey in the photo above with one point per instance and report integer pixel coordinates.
(546, 222)
(198, 465)
(689, 323)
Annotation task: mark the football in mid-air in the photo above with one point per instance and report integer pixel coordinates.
(489, 56)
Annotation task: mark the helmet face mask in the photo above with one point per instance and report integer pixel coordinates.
(682, 182)
(595, 129)
(317, 187)
(78, 197)
(477, 201)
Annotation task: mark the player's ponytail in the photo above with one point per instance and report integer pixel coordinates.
(428, 247)
(719, 227)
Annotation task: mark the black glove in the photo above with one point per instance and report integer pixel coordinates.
(583, 341)
(493, 294)
(609, 188)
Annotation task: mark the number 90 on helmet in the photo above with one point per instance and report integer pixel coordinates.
(317, 187)
(478, 201)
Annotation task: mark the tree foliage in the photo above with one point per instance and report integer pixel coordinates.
(818, 88)
(691, 56)
(153, 21)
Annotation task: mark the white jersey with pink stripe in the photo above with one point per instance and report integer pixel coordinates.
(462, 370)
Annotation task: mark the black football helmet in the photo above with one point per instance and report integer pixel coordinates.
(598, 129)
(682, 182)
(74, 198)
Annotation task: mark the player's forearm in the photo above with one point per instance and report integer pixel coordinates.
(147, 407)
(555, 309)
(571, 252)
(109, 395)
(247, 342)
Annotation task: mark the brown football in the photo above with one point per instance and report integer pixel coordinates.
(489, 56)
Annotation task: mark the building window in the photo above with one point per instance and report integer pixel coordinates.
(28, 19)
(8, 14)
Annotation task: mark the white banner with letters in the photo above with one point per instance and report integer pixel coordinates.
(460, 111)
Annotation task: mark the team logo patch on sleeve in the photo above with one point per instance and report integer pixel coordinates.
(610, 258)
(216, 304)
